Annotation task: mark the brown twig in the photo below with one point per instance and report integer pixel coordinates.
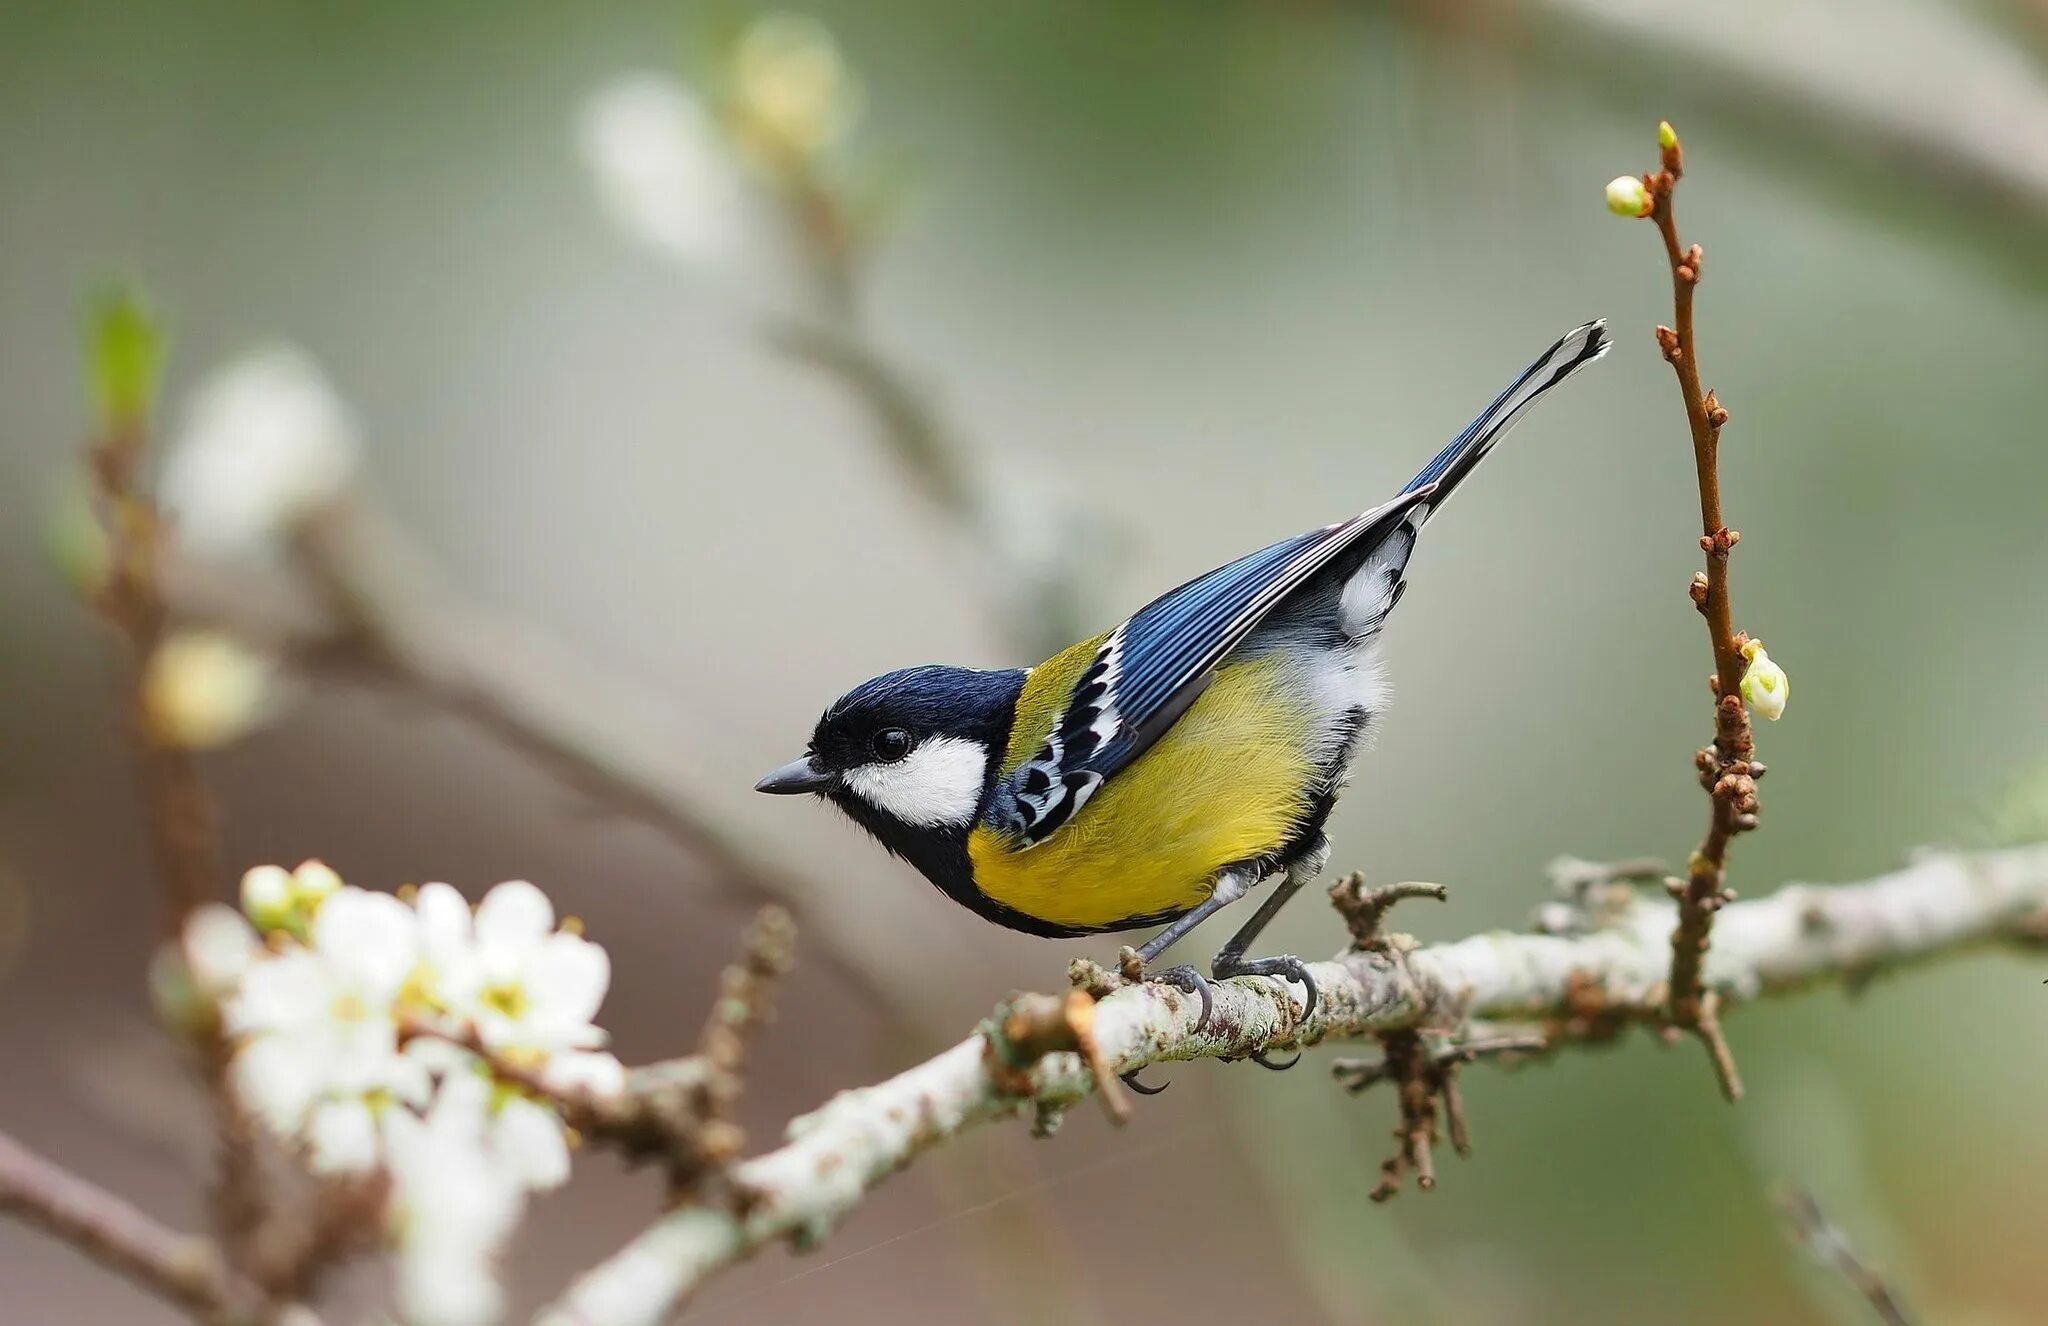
(182, 1268)
(1830, 1247)
(680, 1111)
(1364, 908)
(179, 806)
(1424, 1078)
(379, 620)
(1726, 770)
(1031, 1026)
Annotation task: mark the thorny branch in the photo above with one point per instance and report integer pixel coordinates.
(1726, 769)
(1606, 972)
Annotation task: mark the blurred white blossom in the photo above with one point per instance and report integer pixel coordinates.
(204, 689)
(320, 1057)
(266, 442)
(529, 989)
(1764, 683)
(452, 1207)
(321, 1017)
(662, 169)
(792, 92)
(189, 980)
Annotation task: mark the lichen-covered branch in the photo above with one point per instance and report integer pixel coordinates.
(183, 1268)
(1606, 972)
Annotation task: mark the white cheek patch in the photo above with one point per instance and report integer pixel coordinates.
(936, 786)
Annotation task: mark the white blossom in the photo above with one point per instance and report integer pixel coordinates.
(266, 442)
(203, 689)
(452, 1207)
(320, 1050)
(662, 168)
(189, 980)
(528, 988)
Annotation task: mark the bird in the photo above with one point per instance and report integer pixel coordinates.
(1156, 773)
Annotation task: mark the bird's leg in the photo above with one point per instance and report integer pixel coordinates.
(1231, 961)
(1231, 885)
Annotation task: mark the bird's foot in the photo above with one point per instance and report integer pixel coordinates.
(1228, 965)
(1183, 978)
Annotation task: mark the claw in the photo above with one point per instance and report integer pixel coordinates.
(1130, 1080)
(1288, 968)
(1259, 1057)
(1191, 981)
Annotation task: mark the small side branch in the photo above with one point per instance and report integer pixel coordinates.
(1830, 1246)
(1574, 987)
(181, 1268)
(1726, 770)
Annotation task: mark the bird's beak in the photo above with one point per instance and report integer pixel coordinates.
(802, 775)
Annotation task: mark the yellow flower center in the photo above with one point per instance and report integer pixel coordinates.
(508, 998)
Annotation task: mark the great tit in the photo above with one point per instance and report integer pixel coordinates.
(1157, 772)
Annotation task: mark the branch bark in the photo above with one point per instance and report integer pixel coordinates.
(1576, 986)
(184, 1269)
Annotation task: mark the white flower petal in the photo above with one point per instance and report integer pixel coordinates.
(568, 977)
(514, 914)
(372, 939)
(444, 920)
(580, 1070)
(448, 1286)
(528, 1140)
(278, 1079)
(341, 1138)
(662, 169)
(219, 947)
(283, 993)
(265, 442)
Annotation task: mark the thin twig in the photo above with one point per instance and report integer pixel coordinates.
(1831, 1247)
(182, 1268)
(179, 806)
(1569, 985)
(1725, 767)
(379, 619)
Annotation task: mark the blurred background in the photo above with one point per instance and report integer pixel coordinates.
(1159, 282)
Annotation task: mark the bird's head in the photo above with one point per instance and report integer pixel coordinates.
(911, 754)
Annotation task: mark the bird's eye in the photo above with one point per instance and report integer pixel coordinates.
(891, 744)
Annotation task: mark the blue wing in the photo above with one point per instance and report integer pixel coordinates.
(1151, 668)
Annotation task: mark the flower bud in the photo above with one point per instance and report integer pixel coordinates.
(1626, 196)
(202, 690)
(1764, 683)
(1667, 137)
(791, 90)
(278, 899)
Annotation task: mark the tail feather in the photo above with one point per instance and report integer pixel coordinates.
(1572, 351)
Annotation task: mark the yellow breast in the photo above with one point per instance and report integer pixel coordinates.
(1227, 782)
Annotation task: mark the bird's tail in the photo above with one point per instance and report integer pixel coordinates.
(1574, 350)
